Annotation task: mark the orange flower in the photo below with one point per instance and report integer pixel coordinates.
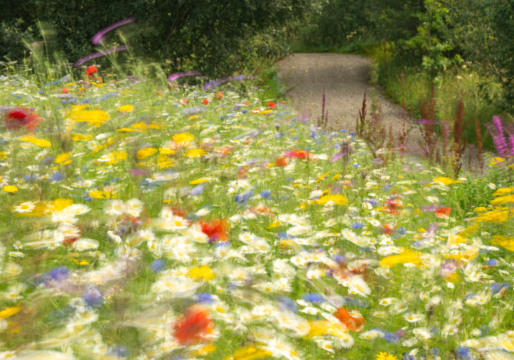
(215, 230)
(219, 95)
(443, 212)
(91, 70)
(280, 162)
(271, 105)
(298, 154)
(205, 101)
(353, 321)
(192, 327)
(65, 90)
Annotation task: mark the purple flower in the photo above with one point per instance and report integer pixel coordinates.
(97, 39)
(496, 129)
(100, 54)
(182, 74)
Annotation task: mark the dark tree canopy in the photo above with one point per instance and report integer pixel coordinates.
(206, 34)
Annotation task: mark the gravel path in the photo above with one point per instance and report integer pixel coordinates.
(344, 77)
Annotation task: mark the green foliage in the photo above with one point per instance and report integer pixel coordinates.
(212, 36)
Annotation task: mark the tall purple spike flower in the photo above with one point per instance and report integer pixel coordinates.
(100, 54)
(97, 39)
(509, 129)
(496, 129)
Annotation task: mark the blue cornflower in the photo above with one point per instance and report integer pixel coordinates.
(313, 297)
(158, 265)
(118, 351)
(401, 230)
(57, 176)
(357, 225)
(93, 297)
(286, 303)
(243, 198)
(205, 298)
(492, 262)
(266, 194)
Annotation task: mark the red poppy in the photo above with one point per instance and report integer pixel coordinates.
(65, 90)
(443, 212)
(353, 323)
(387, 229)
(215, 230)
(393, 207)
(19, 118)
(219, 95)
(271, 105)
(205, 101)
(298, 154)
(192, 327)
(91, 70)
(246, 103)
(280, 162)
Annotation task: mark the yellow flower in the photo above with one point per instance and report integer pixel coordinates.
(445, 181)
(406, 257)
(338, 199)
(10, 311)
(183, 138)
(36, 141)
(83, 262)
(249, 353)
(275, 225)
(322, 177)
(126, 108)
(503, 191)
(147, 152)
(494, 216)
(204, 350)
(386, 356)
(163, 161)
(10, 188)
(503, 241)
(80, 137)
(92, 117)
(113, 157)
(204, 272)
(97, 194)
(480, 209)
(166, 151)
(63, 159)
(195, 153)
(503, 200)
(469, 230)
(336, 176)
(496, 160)
(199, 181)
(192, 117)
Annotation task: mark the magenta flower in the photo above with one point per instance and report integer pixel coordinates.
(100, 54)
(97, 39)
(182, 74)
(496, 129)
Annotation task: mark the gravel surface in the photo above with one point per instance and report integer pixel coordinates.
(344, 77)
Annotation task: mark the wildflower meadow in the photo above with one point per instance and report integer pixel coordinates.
(142, 217)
